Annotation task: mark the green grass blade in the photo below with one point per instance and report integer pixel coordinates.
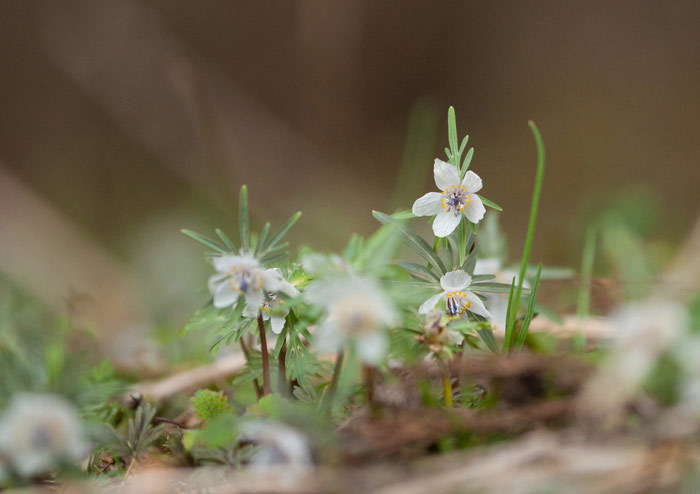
(510, 317)
(529, 314)
(584, 293)
(533, 213)
(243, 220)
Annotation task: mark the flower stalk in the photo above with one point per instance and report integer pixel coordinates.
(283, 384)
(446, 384)
(333, 386)
(265, 356)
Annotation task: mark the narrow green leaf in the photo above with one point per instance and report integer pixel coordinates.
(284, 229)
(418, 269)
(416, 243)
(262, 238)
(467, 160)
(488, 338)
(490, 204)
(403, 215)
(464, 144)
(452, 133)
(511, 312)
(224, 238)
(449, 154)
(522, 334)
(493, 287)
(243, 220)
(483, 277)
(204, 241)
(533, 212)
(472, 227)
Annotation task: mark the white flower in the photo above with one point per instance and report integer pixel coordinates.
(241, 275)
(458, 299)
(498, 302)
(278, 445)
(357, 311)
(457, 198)
(273, 308)
(38, 431)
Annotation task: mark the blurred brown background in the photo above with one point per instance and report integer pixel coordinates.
(124, 121)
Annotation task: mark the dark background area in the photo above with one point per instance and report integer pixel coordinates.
(124, 121)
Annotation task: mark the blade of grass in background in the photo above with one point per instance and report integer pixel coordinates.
(514, 303)
(584, 293)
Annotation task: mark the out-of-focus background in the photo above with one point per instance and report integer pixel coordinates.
(124, 121)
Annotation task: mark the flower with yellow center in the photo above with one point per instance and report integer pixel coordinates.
(456, 296)
(456, 199)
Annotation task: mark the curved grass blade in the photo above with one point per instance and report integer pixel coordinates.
(490, 204)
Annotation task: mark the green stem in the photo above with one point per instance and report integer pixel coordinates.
(265, 356)
(256, 384)
(447, 385)
(530, 231)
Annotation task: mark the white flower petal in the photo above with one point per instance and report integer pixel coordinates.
(476, 210)
(328, 337)
(272, 279)
(477, 306)
(428, 205)
(453, 337)
(277, 324)
(214, 282)
(225, 263)
(430, 303)
(288, 289)
(225, 296)
(455, 281)
(445, 223)
(472, 182)
(372, 347)
(252, 312)
(445, 174)
(254, 299)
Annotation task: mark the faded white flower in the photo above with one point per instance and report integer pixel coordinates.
(497, 302)
(456, 296)
(278, 445)
(273, 308)
(39, 431)
(436, 333)
(457, 198)
(324, 265)
(241, 276)
(357, 311)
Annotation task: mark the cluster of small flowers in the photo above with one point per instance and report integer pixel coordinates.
(37, 434)
(356, 309)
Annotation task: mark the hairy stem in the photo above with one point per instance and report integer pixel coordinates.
(283, 384)
(330, 394)
(258, 390)
(265, 356)
(368, 372)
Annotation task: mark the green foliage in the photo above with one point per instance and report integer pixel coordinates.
(208, 404)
